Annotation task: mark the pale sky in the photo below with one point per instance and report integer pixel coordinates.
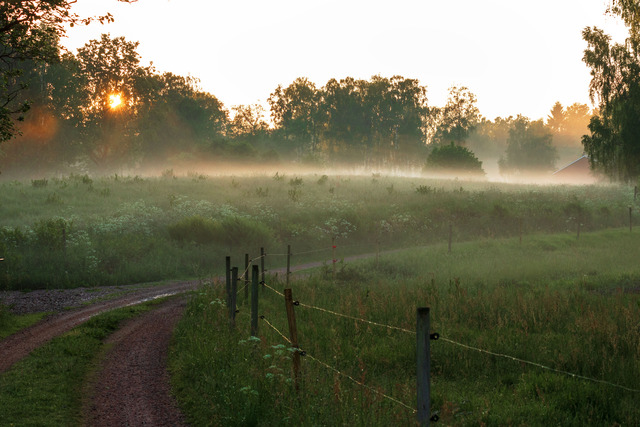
(517, 57)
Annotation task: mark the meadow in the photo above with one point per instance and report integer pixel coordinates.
(83, 231)
(545, 278)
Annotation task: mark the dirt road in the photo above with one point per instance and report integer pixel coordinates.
(132, 388)
(19, 345)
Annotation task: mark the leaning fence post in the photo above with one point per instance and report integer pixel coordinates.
(423, 366)
(254, 301)
(293, 333)
(288, 264)
(233, 298)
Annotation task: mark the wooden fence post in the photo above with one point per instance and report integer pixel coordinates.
(423, 366)
(246, 277)
(333, 256)
(520, 228)
(254, 300)
(288, 264)
(227, 262)
(262, 256)
(233, 297)
(578, 235)
(293, 334)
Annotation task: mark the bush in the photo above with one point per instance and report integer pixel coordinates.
(230, 231)
(454, 158)
(195, 229)
(51, 233)
(241, 231)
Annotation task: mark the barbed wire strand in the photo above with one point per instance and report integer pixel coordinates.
(361, 384)
(245, 272)
(506, 356)
(312, 251)
(242, 288)
(276, 329)
(355, 318)
(269, 287)
(516, 359)
(393, 399)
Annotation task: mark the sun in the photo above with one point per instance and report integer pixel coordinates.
(115, 101)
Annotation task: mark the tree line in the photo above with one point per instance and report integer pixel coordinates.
(58, 112)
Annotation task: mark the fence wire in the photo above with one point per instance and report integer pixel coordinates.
(361, 384)
(559, 371)
(468, 347)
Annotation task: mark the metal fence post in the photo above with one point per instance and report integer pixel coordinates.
(423, 366)
(254, 300)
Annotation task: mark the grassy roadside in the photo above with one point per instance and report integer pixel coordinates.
(45, 389)
(11, 323)
(566, 303)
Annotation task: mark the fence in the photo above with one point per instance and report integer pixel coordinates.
(422, 333)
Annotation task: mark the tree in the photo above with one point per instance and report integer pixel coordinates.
(613, 145)
(458, 117)
(111, 67)
(345, 121)
(48, 135)
(396, 108)
(529, 148)
(454, 158)
(294, 110)
(248, 122)
(569, 125)
(489, 138)
(29, 31)
(556, 118)
(174, 116)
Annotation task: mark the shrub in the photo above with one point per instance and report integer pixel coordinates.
(195, 229)
(51, 233)
(231, 230)
(237, 230)
(454, 158)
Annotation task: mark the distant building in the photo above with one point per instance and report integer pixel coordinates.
(576, 172)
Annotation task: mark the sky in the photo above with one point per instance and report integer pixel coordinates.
(516, 56)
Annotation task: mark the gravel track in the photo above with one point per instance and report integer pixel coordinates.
(16, 346)
(132, 388)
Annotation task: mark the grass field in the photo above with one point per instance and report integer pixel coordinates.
(543, 274)
(552, 300)
(82, 231)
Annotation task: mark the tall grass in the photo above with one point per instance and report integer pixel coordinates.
(80, 231)
(573, 311)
